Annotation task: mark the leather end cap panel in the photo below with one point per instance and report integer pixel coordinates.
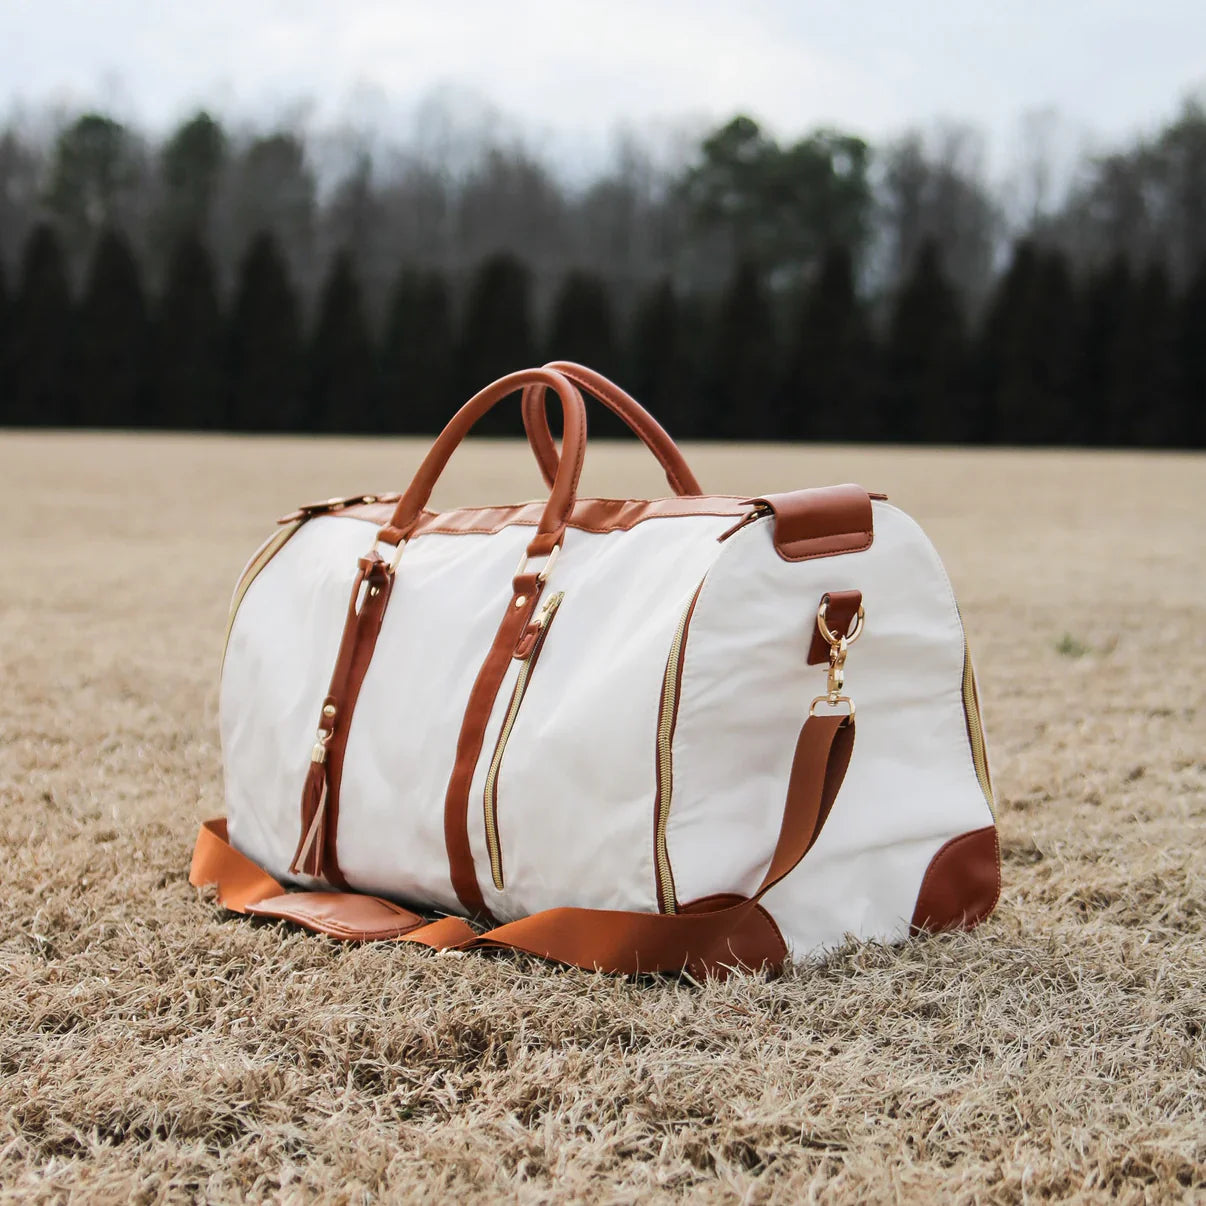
(820, 522)
(962, 883)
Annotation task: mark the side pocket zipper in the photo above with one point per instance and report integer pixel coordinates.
(263, 555)
(490, 799)
(667, 717)
(975, 729)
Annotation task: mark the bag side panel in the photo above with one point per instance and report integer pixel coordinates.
(576, 787)
(281, 650)
(450, 594)
(911, 785)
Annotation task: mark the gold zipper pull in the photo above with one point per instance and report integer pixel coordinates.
(532, 633)
(546, 612)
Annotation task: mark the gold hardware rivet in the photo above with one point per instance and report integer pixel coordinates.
(521, 600)
(328, 710)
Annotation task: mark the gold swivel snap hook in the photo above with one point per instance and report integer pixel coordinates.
(839, 646)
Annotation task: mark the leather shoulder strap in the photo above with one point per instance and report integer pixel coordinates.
(709, 938)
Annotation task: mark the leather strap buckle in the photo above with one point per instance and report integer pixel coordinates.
(545, 570)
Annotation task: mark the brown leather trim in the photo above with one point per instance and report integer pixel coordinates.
(962, 883)
(347, 915)
(841, 608)
(820, 522)
(815, 523)
(588, 515)
(371, 591)
(556, 511)
(520, 608)
(643, 424)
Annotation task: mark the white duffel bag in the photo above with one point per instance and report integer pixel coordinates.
(610, 732)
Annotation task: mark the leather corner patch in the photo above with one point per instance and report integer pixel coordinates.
(962, 883)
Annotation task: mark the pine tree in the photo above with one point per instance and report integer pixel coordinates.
(191, 162)
(93, 178)
(264, 344)
(1051, 352)
(827, 392)
(111, 379)
(40, 335)
(1190, 425)
(496, 336)
(1027, 351)
(582, 328)
(1151, 373)
(417, 390)
(743, 362)
(341, 382)
(925, 394)
(1105, 410)
(6, 398)
(1005, 369)
(582, 325)
(190, 382)
(663, 377)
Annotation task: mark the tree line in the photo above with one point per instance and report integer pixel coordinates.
(819, 287)
(1115, 358)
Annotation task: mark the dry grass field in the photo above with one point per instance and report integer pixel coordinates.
(154, 1048)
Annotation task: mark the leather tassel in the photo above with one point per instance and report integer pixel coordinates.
(308, 859)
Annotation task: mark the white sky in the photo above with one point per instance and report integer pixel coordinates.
(576, 69)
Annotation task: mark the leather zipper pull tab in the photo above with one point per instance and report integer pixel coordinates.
(308, 858)
(531, 634)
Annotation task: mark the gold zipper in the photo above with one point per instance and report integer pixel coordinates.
(266, 552)
(490, 800)
(666, 718)
(975, 729)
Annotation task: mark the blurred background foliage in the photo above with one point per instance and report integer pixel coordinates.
(821, 288)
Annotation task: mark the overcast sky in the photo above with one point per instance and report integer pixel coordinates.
(577, 68)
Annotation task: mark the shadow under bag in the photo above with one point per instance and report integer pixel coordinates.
(614, 733)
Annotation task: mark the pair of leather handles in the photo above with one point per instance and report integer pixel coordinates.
(561, 471)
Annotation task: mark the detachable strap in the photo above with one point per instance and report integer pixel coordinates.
(709, 937)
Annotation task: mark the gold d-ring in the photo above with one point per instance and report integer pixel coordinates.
(546, 569)
(832, 702)
(850, 637)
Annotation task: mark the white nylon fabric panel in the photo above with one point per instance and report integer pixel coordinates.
(278, 664)
(449, 597)
(745, 693)
(576, 785)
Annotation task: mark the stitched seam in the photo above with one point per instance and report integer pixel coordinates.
(774, 925)
(934, 862)
(996, 841)
(582, 527)
(868, 538)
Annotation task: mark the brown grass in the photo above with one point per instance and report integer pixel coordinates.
(154, 1048)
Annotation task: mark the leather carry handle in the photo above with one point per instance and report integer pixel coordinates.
(564, 486)
(655, 437)
(710, 938)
